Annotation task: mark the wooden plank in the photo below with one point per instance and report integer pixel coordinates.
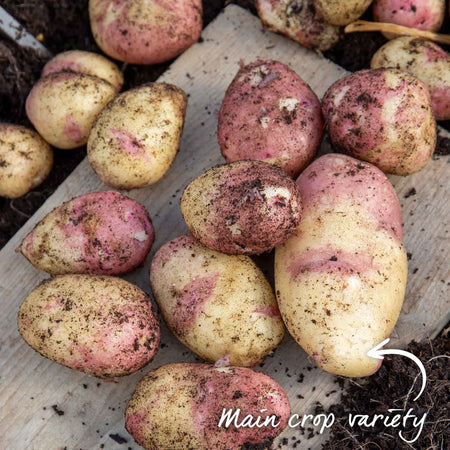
(93, 409)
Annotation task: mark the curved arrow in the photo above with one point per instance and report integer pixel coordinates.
(378, 354)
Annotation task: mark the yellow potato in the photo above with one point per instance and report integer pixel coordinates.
(341, 12)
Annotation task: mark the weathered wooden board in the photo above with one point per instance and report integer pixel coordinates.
(34, 389)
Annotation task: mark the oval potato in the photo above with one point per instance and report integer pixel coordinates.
(100, 325)
(341, 12)
(340, 279)
(179, 406)
(220, 306)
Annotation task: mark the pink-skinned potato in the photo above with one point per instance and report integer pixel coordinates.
(383, 116)
(145, 31)
(90, 63)
(103, 326)
(63, 107)
(220, 306)
(104, 233)
(340, 279)
(269, 113)
(242, 208)
(179, 406)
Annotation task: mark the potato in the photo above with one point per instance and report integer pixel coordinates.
(85, 62)
(298, 20)
(136, 137)
(25, 160)
(99, 233)
(179, 406)
(63, 107)
(145, 31)
(341, 12)
(423, 59)
(220, 306)
(269, 113)
(340, 279)
(245, 207)
(100, 325)
(383, 116)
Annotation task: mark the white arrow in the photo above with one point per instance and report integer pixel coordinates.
(378, 354)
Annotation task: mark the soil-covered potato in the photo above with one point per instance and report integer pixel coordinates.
(25, 160)
(220, 306)
(269, 113)
(100, 325)
(179, 407)
(136, 137)
(341, 12)
(244, 207)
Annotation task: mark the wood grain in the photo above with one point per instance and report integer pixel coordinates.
(31, 386)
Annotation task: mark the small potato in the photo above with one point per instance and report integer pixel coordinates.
(136, 137)
(269, 113)
(63, 107)
(25, 160)
(220, 306)
(85, 62)
(341, 278)
(99, 233)
(383, 116)
(341, 12)
(423, 59)
(245, 207)
(145, 31)
(100, 325)
(180, 406)
(299, 20)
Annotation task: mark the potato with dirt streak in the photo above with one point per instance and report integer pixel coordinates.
(242, 208)
(136, 137)
(100, 325)
(25, 160)
(103, 233)
(341, 12)
(270, 114)
(340, 279)
(383, 116)
(220, 306)
(145, 31)
(423, 59)
(179, 407)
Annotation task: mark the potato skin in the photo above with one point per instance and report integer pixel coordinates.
(103, 233)
(145, 31)
(85, 62)
(340, 279)
(25, 160)
(63, 107)
(202, 391)
(341, 12)
(300, 21)
(423, 59)
(383, 116)
(269, 113)
(244, 207)
(136, 137)
(220, 306)
(100, 325)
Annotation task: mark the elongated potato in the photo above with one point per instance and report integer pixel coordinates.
(220, 306)
(340, 279)
(100, 233)
(180, 406)
(100, 325)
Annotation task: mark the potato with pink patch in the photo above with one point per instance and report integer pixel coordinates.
(383, 116)
(341, 278)
(136, 137)
(145, 31)
(100, 233)
(220, 306)
(270, 114)
(182, 406)
(100, 325)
